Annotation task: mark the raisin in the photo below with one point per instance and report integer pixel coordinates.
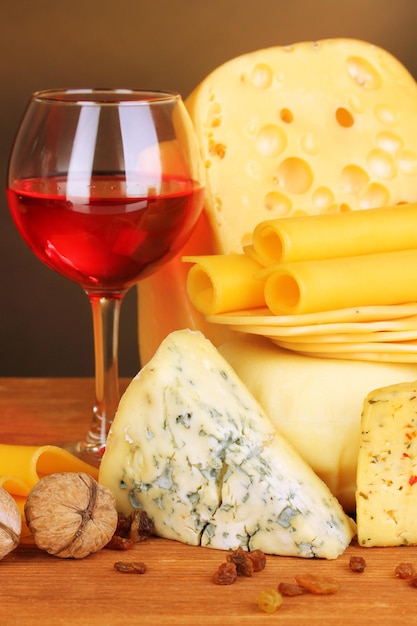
(130, 530)
(269, 600)
(244, 564)
(318, 584)
(357, 564)
(258, 559)
(141, 526)
(130, 567)
(405, 570)
(291, 589)
(226, 574)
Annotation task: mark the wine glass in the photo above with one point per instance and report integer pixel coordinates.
(105, 186)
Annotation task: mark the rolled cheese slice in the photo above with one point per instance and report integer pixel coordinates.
(21, 467)
(315, 403)
(326, 236)
(220, 283)
(330, 284)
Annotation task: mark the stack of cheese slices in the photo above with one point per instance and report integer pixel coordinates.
(339, 285)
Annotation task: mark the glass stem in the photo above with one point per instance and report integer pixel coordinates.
(106, 314)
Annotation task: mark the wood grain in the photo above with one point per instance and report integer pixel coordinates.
(38, 589)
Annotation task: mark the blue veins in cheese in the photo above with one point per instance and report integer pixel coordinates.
(193, 448)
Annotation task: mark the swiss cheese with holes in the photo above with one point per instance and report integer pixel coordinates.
(310, 128)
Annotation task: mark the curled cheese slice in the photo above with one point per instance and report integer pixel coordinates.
(324, 285)
(21, 467)
(220, 283)
(325, 236)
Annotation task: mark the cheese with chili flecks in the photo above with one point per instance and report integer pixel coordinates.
(386, 495)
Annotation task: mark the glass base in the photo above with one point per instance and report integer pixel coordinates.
(89, 452)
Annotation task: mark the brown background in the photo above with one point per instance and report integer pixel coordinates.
(45, 323)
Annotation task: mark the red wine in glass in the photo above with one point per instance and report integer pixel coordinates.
(105, 186)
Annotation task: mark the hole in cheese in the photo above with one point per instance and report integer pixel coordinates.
(363, 73)
(376, 195)
(407, 162)
(262, 76)
(354, 179)
(388, 141)
(278, 203)
(323, 198)
(345, 208)
(214, 117)
(286, 115)
(295, 175)
(344, 118)
(382, 164)
(271, 140)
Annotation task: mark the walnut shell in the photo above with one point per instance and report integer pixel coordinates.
(10, 523)
(70, 515)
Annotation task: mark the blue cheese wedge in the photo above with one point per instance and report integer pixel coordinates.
(386, 494)
(194, 449)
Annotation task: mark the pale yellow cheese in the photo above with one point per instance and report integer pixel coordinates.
(224, 282)
(313, 128)
(315, 403)
(330, 284)
(326, 236)
(316, 127)
(386, 496)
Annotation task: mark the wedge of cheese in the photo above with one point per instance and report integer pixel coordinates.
(192, 447)
(315, 403)
(313, 128)
(386, 496)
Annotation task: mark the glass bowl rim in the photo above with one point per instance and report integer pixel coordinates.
(103, 96)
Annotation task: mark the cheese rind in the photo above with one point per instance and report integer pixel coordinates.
(192, 447)
(386, 495)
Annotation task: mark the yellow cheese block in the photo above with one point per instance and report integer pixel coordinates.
(21, 467)
(386, 496)
(342, 283)
(312, 128)
(315, 403)
(224, 282)
(326, 236)
(316, 127)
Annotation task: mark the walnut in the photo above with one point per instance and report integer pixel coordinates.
(10, 523)
(70, 514)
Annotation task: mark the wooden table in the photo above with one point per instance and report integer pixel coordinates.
(38, 589)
